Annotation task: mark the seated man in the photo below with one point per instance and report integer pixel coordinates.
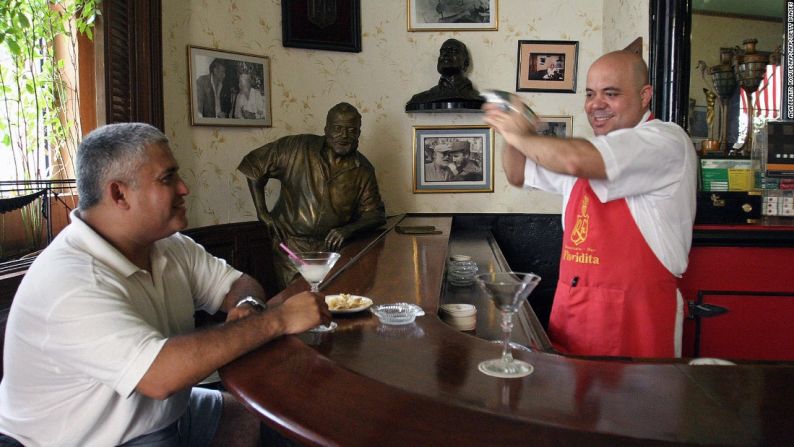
(100, 347)
(463, 168)
(453, 86)
(328, 189)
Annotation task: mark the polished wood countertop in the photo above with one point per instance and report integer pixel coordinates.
(368, 384)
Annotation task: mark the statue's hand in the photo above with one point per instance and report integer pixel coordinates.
(335, 238)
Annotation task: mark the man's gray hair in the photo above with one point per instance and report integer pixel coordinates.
(113, 152)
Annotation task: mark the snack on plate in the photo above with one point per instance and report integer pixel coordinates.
(344, 301)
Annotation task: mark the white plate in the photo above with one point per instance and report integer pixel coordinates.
(365, 303)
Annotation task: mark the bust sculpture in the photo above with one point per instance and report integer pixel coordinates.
(454, 90)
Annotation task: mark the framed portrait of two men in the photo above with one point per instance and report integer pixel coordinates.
(228, 88)
(451, 159)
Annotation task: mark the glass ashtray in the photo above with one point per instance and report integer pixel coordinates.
(397, 313)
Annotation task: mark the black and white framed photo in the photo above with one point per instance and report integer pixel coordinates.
(560, 126)
(229, 88)
(453, 159)
(333, 25)
(453, 15)
(547, 66)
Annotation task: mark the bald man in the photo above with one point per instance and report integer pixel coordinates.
(628, 210)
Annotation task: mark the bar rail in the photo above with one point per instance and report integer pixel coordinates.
(369, 384)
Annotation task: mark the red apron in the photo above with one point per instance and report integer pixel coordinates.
(614, 296)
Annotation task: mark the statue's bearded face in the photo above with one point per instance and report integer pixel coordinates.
(342, 132)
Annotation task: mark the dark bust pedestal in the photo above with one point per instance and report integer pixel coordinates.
(463, 106)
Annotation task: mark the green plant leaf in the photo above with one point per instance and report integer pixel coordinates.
(22, 20)
(13, 47)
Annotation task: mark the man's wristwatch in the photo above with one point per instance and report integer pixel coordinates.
(253, 302)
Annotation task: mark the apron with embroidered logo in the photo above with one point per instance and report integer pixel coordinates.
(614, 297)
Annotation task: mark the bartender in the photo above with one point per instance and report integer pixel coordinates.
(628, 210)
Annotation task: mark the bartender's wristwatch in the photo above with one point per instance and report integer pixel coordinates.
(253, 302)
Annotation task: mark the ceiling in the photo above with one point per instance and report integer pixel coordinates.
(756, 8)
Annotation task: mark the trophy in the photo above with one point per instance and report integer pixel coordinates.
(724, 82)
(750, 69)
(710, 144)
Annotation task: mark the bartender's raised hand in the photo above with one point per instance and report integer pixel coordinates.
(302, 312)
(335, 238)
(512, 125)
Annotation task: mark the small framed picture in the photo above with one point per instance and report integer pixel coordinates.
(333, 25)
(453, 159)
(556, 126)
(228, 88)
(453, 15)
(547, 66)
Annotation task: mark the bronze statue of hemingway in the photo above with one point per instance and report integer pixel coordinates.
(328, 189)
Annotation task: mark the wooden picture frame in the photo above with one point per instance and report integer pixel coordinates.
(332, 25)
(453, 159)
(547, 66)
(560, 126)
(453, 15)
(234, 107)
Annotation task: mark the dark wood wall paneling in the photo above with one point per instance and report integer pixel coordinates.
(245, 246)
(530, 243)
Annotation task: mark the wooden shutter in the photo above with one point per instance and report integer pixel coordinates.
(133, 61)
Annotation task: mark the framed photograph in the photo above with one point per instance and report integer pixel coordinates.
(457, 15)
(556, 126)
(453, 159)
(547, 66)
(228, 88)
(333, 25)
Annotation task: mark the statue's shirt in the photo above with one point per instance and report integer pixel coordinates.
(314, 200)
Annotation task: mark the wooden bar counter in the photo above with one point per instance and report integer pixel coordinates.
(367, 384)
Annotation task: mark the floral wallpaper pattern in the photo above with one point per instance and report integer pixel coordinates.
(624, 21)
(393, 65)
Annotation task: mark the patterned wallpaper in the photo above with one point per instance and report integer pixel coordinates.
(393, 65)
(624, 21)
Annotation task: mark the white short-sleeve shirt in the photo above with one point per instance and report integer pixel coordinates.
(654, 167)
(84, 327)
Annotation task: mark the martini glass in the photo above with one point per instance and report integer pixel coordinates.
(507, 290)
(313, 266)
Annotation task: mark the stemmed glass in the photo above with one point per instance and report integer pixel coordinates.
(313, 266)
(507, 290)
